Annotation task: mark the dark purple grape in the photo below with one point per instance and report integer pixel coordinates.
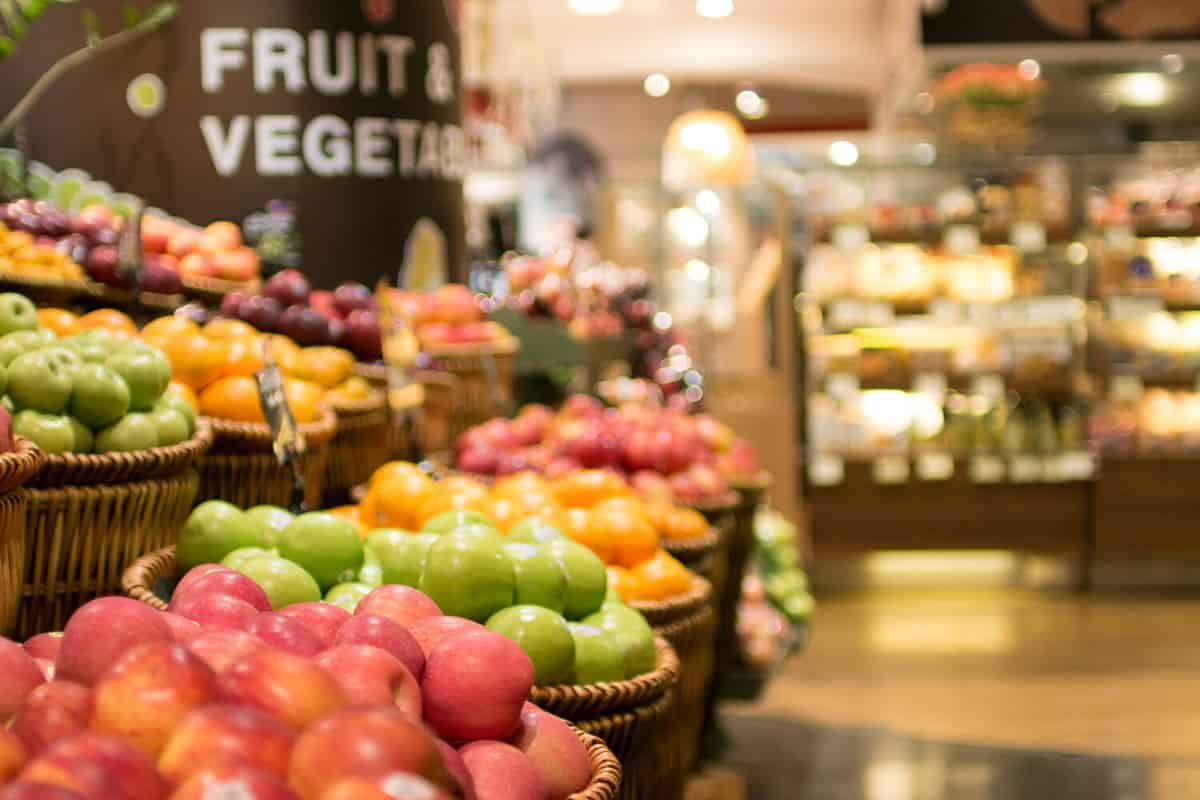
(104, 234)
(26, 221)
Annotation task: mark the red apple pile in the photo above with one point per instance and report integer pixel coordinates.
(229, 699)
(217, 251)
(662, 452)
(450, 315)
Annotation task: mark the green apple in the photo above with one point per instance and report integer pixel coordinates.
(131, 432)
(400, 554)
(540, 579)
(85, 441)
(469, 575)
(7, 402)
(347, 595)
(285, 582)
(587, 578)
(634, 636)
(544, 636)
(146, 372)
(534, 530)
(17, 313)
(214, 530)
(3, 378)
(273, 517)
(65, 356)
(99, 397)
(18, 342)
(39, 382)
(371, 572)
(598, 656)
(53, 433)
(171, 426)
(325, 545)
(93, 346)
(177, 403)
(238, 558)
(449, 520)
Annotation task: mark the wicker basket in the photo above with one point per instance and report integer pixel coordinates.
(688, 623)
(605, 781)
(696, 554)
(475, 398)
(89, 515)
(242, 467)
(15, 469)
(211, 291)
(438, 389)
(630, 716)
(360, 445)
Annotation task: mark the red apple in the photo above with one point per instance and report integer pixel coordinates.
(284, 633)
(370, 676)
(502, 772)
(429, 632)
(99, 767)
(219, 736)
(220, 648)
(560, 467)
(288, 287)
(233, 782)
(351, 297)
(22, 790)
(182, 628)
(290, 688)
(456, 304)
(19, 675)
(196, 573)
(475, 685)
(459, 776)
(362, 335)
(53, 711)
(362, 742)
(46, 667)
(385, 634)
(401, 604)
(582, 406)
(219, 611)
(13, 755)
(478, 460)
(595, 447)
(389, 786)
(226, 582)
(555, 750)
(101, 632)
(321, 301)
(651, 485)
(322, 619)
(146, 694)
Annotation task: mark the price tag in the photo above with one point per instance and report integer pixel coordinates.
(890, 470)
(851, 237)
(962, 239)
(990, 386)
(986, 469)
(130, 265)
(1119, 237)
(826, 470)
(935, 466)
(1075, 465)
(1028, 236)
(931, 384)
(1025, 469)
(288, 440)
(842, 386)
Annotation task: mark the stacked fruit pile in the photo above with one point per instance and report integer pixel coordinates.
(526, 586)
(213, 252)
(90, 391)
(311, 703)
(599, 301)
(449, 316)
(662, 452)
(23, 256)
(784, 579)
(594, 508)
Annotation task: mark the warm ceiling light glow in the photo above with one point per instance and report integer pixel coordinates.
(698, 271)
(687, 226)
(708, 202)
(714, 9)
(1143, 88)
(843, 153)
(1029, 69)
(1172, 63)
(706, 148)
(595, 8)
(750, 104)
(657, 85)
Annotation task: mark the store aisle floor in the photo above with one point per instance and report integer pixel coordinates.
(906, 695)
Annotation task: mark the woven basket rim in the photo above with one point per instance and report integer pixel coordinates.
(81, 285)
(697, 547)
(137, 580)
(20, 464)
(88, 469)
(673, 608)
(605, 779)
(258, 434)
(726, 502)
(507, 346)
(613, 696)
(376, 400)
(219, 285)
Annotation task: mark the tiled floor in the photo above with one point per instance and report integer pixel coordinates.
(958, 695)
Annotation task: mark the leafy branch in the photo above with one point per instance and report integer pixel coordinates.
(15, 16)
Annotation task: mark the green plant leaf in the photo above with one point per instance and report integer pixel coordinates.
(7, 46)
(13, 18)
(161, 13)
(91, 26)
(131, 13)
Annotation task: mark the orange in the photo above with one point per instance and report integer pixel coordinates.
(629, 503)
(304, 398)
(443, 500)
(505, 513)
(59, 320)
(593, 532)
(350, 514)
(661, 577)
(627, 587)
(111, 320)
(327, 366)
(282, 349)
(167, 327)
(633, 538)
(394, 468)
(242, 357)
(178, 389)
(395, 498)
(233, 398)
(461, 483)
(368, 512)
(574, 522)
(228, 329)
(195, 361)
(585, 488)
(683, 523)
(532, 500)
(519, 484)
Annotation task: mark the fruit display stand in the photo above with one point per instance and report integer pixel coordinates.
(211, 291)
(360, 445)
(90, 514)
(630, 716)
(242, 467)
(16, 468)
(605, 783)
(688, 623)
(484, 375)
(698, 555)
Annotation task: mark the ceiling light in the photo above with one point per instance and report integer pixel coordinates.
(698, 271)
(1173, 63)
(657, 85)
(714, 9)
(924, 153)
(1143, 88)
(687, 226)
(843, 153)
(708, 202)
(595, 8)
(750, 104)
(1029, 69)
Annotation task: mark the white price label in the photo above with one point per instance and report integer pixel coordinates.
(1025, 469)
(962, 239)
(889, 470)
(1075, 465)
(931, 384)
(989, 386)
(842, 386)
(826, 470)
(1119, 237)
(987, 469)
(851, 237)
(1028, 236)
(935, 466)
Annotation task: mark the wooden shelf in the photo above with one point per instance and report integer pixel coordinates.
(1147, 507)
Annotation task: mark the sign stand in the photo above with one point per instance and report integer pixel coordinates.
(288, 443)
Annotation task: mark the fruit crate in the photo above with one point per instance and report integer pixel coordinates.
(483, 380)
(16, 468)
(359, 447)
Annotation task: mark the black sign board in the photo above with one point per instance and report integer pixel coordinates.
(288, 441)
(956, 22)
(350, 109)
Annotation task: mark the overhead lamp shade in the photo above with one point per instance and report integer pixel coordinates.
(706, 148)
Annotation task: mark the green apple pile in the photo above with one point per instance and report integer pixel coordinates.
(779, 562)
(87, 393)
(535, 586)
